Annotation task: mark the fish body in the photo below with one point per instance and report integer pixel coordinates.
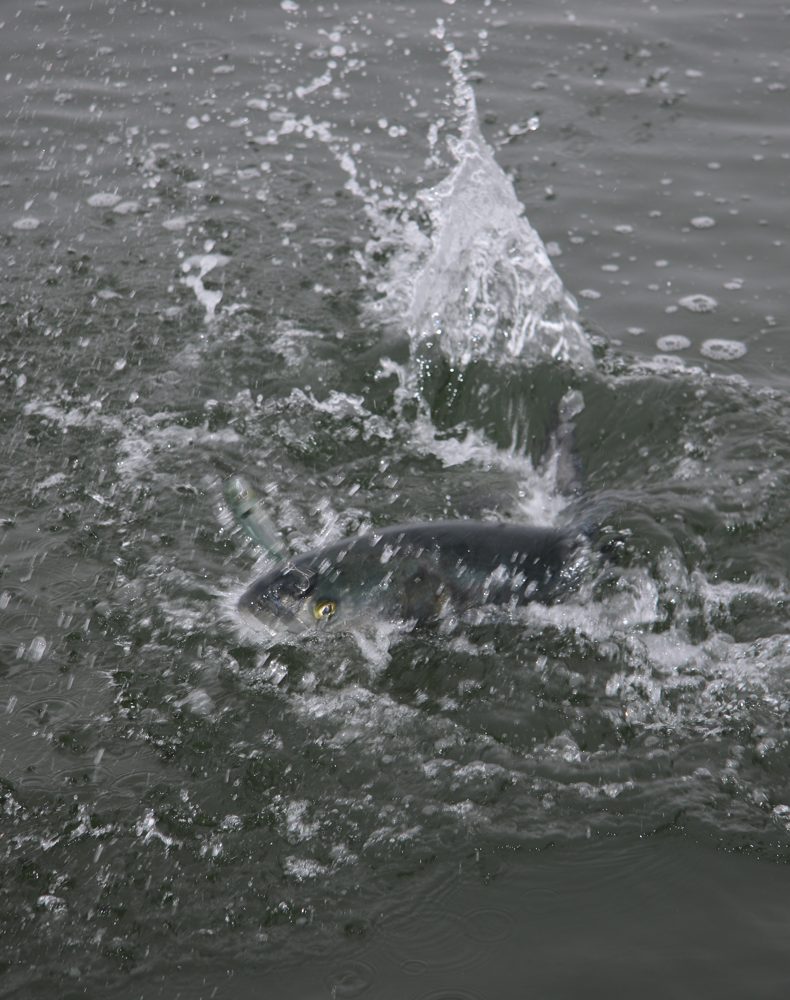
(413, 573)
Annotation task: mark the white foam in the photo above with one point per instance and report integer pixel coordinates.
(204, 264)
(723, 350)
(479, 282)
(673, 342)
(698, 303)
(104, 199)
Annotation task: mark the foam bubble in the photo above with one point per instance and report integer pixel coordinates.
(127, 207)
(673, 342)
(723, 350)
(103, 199)
(698, 303)
(27, 222)
(178, 222)
(703, 222)
(303, 868)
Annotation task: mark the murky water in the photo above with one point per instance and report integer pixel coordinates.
(288, 240)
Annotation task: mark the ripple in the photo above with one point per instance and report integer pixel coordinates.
(40, 682)
(450, 994)
(351, 979)
(435, 938)
(47, 710)
(490, 924)
(205, 46)
(130, 786)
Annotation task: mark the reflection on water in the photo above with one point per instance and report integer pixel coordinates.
(278, 242)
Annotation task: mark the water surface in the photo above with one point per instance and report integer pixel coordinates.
(287, 240)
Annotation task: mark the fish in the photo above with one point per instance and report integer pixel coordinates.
(413, 573)
(247, 508)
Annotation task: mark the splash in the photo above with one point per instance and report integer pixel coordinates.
(204, 264)
(475, 282)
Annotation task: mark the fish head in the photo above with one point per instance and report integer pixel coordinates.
(353, 585)
(289, 601)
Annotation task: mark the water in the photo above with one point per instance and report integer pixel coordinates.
(287, 241)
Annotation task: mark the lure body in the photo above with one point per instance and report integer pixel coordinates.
(247, 507)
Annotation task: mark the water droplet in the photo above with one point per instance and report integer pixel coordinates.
(37, 648)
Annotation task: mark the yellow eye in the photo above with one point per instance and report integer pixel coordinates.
(323, 610)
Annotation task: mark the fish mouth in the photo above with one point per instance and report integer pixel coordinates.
(270, 605)
(269, 612)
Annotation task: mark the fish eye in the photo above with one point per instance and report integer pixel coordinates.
(323, 610)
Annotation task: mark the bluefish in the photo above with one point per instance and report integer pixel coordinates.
(414, 573)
